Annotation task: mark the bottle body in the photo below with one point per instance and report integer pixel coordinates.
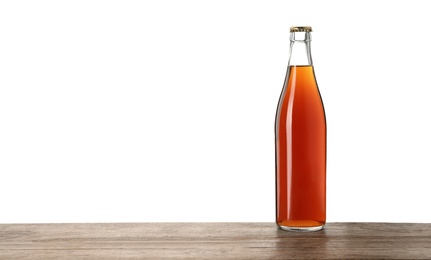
(300, 131)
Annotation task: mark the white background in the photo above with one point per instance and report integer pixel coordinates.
(134, 111)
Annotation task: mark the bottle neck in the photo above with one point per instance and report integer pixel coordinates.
(300, 51)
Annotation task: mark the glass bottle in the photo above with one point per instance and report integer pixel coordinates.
(300, 142)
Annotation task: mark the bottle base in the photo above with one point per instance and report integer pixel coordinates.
(301, 225)
(301, 229)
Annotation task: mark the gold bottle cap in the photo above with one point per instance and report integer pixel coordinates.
(301, 29)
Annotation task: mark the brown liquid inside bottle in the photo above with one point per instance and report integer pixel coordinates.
(301, 152)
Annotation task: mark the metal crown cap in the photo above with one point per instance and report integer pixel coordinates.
(301, 29)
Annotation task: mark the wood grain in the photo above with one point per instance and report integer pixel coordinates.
(213, 241)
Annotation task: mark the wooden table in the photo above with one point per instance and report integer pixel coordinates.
(213, 241)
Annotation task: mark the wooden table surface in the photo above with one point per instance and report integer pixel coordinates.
(213, 241)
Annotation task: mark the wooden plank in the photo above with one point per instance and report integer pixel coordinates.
(213, 241)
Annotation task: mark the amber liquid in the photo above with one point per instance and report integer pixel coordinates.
(300, 152)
